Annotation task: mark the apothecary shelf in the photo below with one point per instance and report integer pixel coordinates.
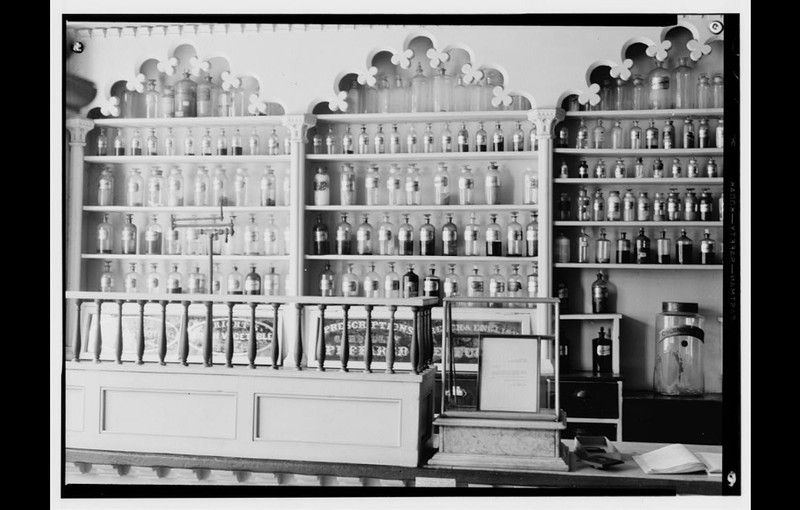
(193, 122)
(187, 160)
(575, 223)
(400, 118)
(712, 151)
(641, 180)
(376, 209)
(186, 209)
(218, 258)
(666, 267)
(649, 114)
(412, 258)
(529, 156)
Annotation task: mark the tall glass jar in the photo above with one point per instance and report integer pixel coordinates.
(186, 96)
(167, 103)
(151, 100)
(441, 185)
(105, 187)
(660, 95)
(679, 341)
(442, 91)
(205, 97)
(622, 94)
(638, 94)
(718, 91)
(683, 89)
(420, 100)
(703, 91)
(460, 95)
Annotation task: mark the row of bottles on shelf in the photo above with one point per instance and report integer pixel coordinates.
(136, 145)
(187, 98)
(648, 138)
(196, 281)
(693, 169)
(519, 241)
(599, 291)
(206, 190)
(636, 251)
(407, 190)
(630, 208)
(393, 285)
(441, 92)
(380, 144)
(682, 87)
(254, 240)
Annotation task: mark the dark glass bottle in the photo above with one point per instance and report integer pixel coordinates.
(405, 237)
(600, 295)
(343, 236)
(494, 243)
(642, 248)
(663, 248)
(707, 249)
(449, 237)
(321, 243)
(410, 283)
(601, 353)
(623, 249)
(252, 282)
(683, 248)
(427, 237)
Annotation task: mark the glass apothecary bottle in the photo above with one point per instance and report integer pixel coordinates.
(497, 284)
(600, 299)
(583, 136)
(405, 237)
(327, 284)
(107, 278)
(676, 168)
(514, 283)
(350, 283)
(442, 91)
(369, 101)
(718, 91)
(441, 185)
(105, 235)
(494, 243)
(449, 237)
(563, 137)
(186, 96)
(135, 144)
(617, 138)
(533, 282)
(563, 248)
(155, 187)
(703, 91)
(663, 248)
(583, 169)
(153, 237)
(683, 85)
(386, 236)
(602, 353)
(532, 236)
(600, 169)
(642, 248)
(197, 282)
(220, 187)
(602, 249)
(372, 283)
(583, 247)
(167, 103)
(446, 138)
(460, 95)
(623, 249)
(398, 96)
(599, 135)
(585, 212)
(492, 184)
(411, 140)
(151, 144)
(410, 283)
(252, 282)
(679, 343)
(674, 205)
(428, 140)
(719, 134)
(134, 188)
(347, 185)
(364, 236)
(629, 206)
(688, 133)
(205, 97)
(668, 135)
(153, 280)
(707, 249)
(427, 237)
(472, 237)
(658, 168)
(394, 187)
(638, 168)
(105, 187)
(598, 206)
(431, 284)
(222, 143)
(622, 94)
(692, 168)
(343, 236)
(174, 281)
(379, 141)
(452, 282)
(466, 186)
(530, 186)
(206, 144)
(353, 99)
(322, 187)
(636, 135)
(518, 139)
(711, 168)
(394, 141)
(659, 207)
(462, 138)
(683, 248)
(703, 134)
(320, 235)
(420, 89)
(481, 139)
(252, 245)
(384, 94)
(651, 136)
(129, 238)
(643, 207)
(413, 193)
(691, 206)
(639, 94)
(372, 183)
(271, 235)
(391, 283)
(101, 146)
(475, 283)
(152, 100)
(514, 237)
(660, 95)
(498, 139)
(235, 282)
(188, 143)
(706, 205)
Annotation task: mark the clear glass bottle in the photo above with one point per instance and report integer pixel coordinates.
(350, 282)
(410, 283)
(271, 235)
(487, 90)
(155, 188)
(475, 283)
(683, 85)
(398, 96)
(462, 138)
(252, 244)
(663, 248)
(188, 142)
(598, 206)
(629, 206)
(105, 187)
(707, 249)
(393, 186)
(668, 135)
(674, 206)
(105, 235)
(102, 143)
(719, 134)
(452, 282)
(384, 94)
(676, 168)
(477, 100)
(706, 205)
(411, 140)
(441, 185)
(186, 96)
(427, 237)
(449, 237)
(252, 282)
(703, 90)
(600, 297)
(386, 236)
(240, 187)
(128, 236)
(428, 143)
(564, 171)
(643, 207)
(107, 283)
(683, 249)
(563, 248)
(514, 284)
(327, 282)
(134, 188)
(583, 136)
(322, 187)
(446, 138)
(658, 168)
(638, 168)
(600, 169)
(617, 140)
(659, 207)
(532, 236)
(372, 283)
(533, 281)
(494, 243)
(197, 282)
(679, 367)
(466, 186)
(222, 143)
(153, 280)
(153, 237)
(347, 185)
(651, 136)
(405, 237)
(205, 95)
(691, 206)
(380, 141)
(369, 99)
(602, 249)
(353, 99)
(167, 103)
(316, 142)
(268, 187)
(584, 209)
(492, 182)
(119, 144)
(174, 242)
(718, 91)
(206, 143)
(372, 183)
(413, 192)
(497, 283)
(391, 283)
(420, 89)
(621, 95)
(583, 169)
(599, 135)
(460, 95)
(563, 137)
(498, 139)
(692, 168)
(151, 144)
(703, 134)
(343, 236)
(271, 282)
(623, 249)
(442, 88)
(481, 139)
(583, 247)
(688, 133)
(135, 144)
(620, 170)
(636, 135)
(472, 237)
(514, 237)
(711, 168)
(220, 187)
(224, 102)
(660, 94)
(364, 236)
(174, 281)
(518, 139)
(234, 282)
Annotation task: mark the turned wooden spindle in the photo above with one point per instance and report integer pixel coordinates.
(368, 340)
(140, 340)
(276, 340)
(390, 341)
(251, 344)
(414, 355)
(162, 337)
(183, 348)
(321, 339)
(229, 338)
(345, 356)
(298, 341)
(118, 346)
(76, 338)
(208, 343)
(425, 336)
(98, 331)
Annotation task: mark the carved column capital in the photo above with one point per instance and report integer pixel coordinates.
(298, 126)
(545, 120)
(78, 129)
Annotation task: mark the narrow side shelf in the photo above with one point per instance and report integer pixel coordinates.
(421, 208)
(649, 114)
(187, 160)
(399, 118)
(427, 156)
(640, 152)
(142, 256)
(193, 122)
(642, 180)
(410, 258)
(186, 209)
(575, 223)
(668, 267)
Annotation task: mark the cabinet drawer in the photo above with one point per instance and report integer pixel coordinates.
(586, 399)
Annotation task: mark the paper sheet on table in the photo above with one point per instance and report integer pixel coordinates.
(676, 458)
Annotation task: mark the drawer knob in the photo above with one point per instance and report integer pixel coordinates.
(582, 394)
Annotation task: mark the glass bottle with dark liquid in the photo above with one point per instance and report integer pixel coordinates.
(601, 353)
(252, 282)
(683, 248)
(600, 295)
(623, 249)
(321, 243)
(427, 237)
(405, 237)
(174, 281)
(481, 139)
(343, 236)
(153, 236)
(494, 244)
(707, 249)
(129, 237)
(410, 283)
(642, 248)
(663, 248)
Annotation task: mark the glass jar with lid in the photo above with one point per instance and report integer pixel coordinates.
(679, 350)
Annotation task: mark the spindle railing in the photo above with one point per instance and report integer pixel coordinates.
(421, 348)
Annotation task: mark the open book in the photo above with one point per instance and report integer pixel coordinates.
(676, 458)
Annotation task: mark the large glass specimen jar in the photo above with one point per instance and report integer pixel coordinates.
(659, 87)
(419, 91)
(683, 86)
(679, 350)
